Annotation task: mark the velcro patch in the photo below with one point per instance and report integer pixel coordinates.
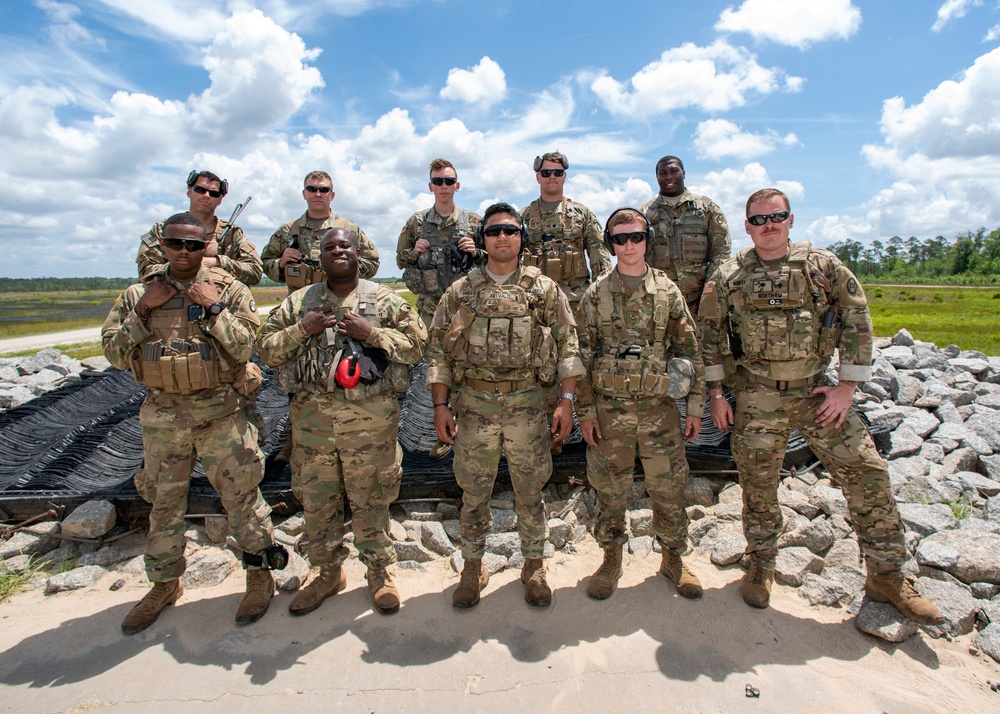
(709, 288)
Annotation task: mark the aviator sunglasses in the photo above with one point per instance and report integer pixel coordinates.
(558, 173)
(210, 191)
(193, 246)
(443, 181)
(318, 189)
(761, 219)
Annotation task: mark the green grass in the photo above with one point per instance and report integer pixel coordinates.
(967, 317)
(11, 582)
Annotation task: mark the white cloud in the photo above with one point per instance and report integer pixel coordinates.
(798, 23)
(715, 78)
(952, 10)
(719, 138)
(992, 34)
(484, 83)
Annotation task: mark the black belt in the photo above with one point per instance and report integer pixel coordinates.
(782, 385)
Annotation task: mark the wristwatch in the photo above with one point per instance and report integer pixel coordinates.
(216, 308)
(568, 395)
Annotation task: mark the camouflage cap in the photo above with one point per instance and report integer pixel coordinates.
(681, 373)
(552, 156)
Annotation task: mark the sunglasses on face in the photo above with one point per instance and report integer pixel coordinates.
(193, 246)
(506, 228)
(558, 173)
(210, 191)
(318, 189)
(759, 220)
(623, 238)
(443, 181)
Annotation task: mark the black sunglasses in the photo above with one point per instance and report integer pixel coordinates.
(558, 173)
(759, 220)
(193, 246)
(210, 191)
(443, 181)
(508, 229)
(623, 238)
(319, 189)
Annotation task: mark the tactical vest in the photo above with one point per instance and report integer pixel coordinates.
(624, 368)
(555, 243)
(434, 270)
(314, 365)
(495, 327)
(779, 313)
(179, 358)
(679, 241)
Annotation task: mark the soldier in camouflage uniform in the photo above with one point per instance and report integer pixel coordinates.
(638, 342)
(562, 234)
(187, 333)
(779, 310)
(690, 233)
(292, 254)
(344, 436)
(228, 247)
(498, 336)
(437, 245)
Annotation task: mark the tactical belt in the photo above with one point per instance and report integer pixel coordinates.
(782, 385)
(499, 387)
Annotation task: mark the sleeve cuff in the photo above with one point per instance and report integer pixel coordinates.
(855, 373)
(715, 373)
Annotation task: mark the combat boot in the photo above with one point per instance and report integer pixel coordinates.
(536, 591)
(260, 590)
(677, 570)
(383, 590)
(474, 579)
(899, 592)
(602, 583)
(330, 581)
(756, 585)
(148, 609)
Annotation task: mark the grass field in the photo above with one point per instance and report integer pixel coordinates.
(967, 317)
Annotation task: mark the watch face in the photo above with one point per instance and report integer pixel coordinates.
(216, 308)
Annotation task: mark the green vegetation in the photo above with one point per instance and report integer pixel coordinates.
(36, 285)
(11, 582)
(36, 313)
(967, 317)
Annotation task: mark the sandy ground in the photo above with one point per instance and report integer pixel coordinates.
(645, 649)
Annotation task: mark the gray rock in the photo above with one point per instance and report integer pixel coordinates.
(75, 579)
(640, 522)
(936, 392)
(217, 528)
(903, 338)
(835, 587)
(989, 466)
(987, 641)
(900, 357)
(988, 400)
(965, 436)
(698, 491)
(560, 532)
(984, 591)
(40, 539)
(978, 524)
(494, 563)
(907, 391)
(41, 382)
(829, 500)
(733, 493)
(956, 604)
(503, 520)
(971, 556)
(730, 545)
(970, 365)
(844, 553)
(841, 527)
(503, 500)
(880, 392)
(421, 512)
(948, 414)
(409, 565)
(38, 362)
(637, 494)
(18, 563)
(96, 364)
(208, 567)
(922, 423)
(792, 563)
(797, 501)
(815, 535)
(505, 544)
(641, 546)
(435, 539)
(892, 417)
(407, 550)
(885, 622)
(115, 552)
(992, 510)
(728, 511)
(454, 530)
(927, 519)
(961, 459)
(65, 366)
(448, 511)
(14, 395)
(295, 525)
(932, 452)
(697, 529)
(903, 442)
(135, 567)
(294, 575)
(985, 487)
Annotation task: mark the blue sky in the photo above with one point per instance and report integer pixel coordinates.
(878, 117)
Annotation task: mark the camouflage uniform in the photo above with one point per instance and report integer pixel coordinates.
(344, 441)
(690, 241)
(561, 241)
(182, 420)
(495, 346)
(636, 411)
(429, 274)
(237, 255)
(790, 315)
(306, 232)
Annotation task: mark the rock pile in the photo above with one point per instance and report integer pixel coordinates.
(24, 378)
(942, 407)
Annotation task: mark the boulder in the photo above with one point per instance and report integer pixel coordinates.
(76, 579)
(793, 563)
(969, 555)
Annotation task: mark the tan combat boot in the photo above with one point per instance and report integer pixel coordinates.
(383, 590)
(756, 586)
(536, 591)
(677, 570)
(148, 609)
(474, 580)
(260, 590)
(602, 583)
(898, 591)
(330, 581)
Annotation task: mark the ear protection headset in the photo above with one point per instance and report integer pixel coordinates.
(564, 162)
(481, 235)
(607, 229)
(193, 178)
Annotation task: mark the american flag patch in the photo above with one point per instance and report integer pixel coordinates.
(709, 288)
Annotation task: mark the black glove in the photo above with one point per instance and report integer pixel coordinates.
(372, 362)
(461, 262)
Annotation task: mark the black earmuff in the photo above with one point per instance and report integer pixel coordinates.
(192, 179)
(481, 236)
(607, 228)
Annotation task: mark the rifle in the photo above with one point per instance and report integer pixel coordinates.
(232, 221)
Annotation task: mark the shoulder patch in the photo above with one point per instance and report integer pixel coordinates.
(709, 287)
(253, 305)
(852, 286)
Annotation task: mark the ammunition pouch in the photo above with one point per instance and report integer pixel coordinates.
(247, 379)
(630, 376)
(178, 372)
(558, 261)
(299, 275)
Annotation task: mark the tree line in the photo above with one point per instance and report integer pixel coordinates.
(973, 258)
(45, 285)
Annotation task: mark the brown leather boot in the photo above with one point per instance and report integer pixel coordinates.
(474, 580)
(260, 590)
(536, 591)
(899, 591)
(756, 585)
(330, 581)
(148, 609)
(602, 583)
(677, 570)
(383, 590)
